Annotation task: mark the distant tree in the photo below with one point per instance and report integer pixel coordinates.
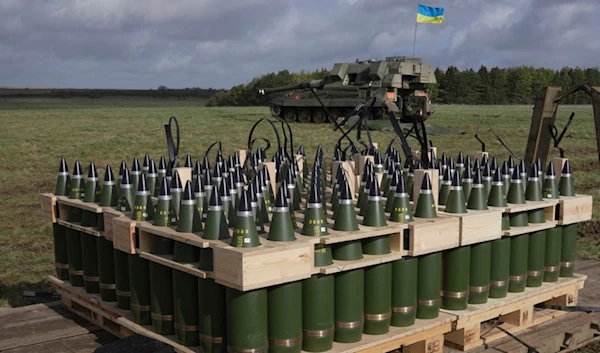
(162, 88)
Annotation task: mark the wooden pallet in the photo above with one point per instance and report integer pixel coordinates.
(513, 313)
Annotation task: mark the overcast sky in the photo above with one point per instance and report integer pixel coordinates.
(220, 43)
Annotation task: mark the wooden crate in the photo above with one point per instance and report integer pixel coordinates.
(432, 235)
(574, 209)
(515, 312)
(477, 226)
(124, 234)
(48, 205)
(549, 207)
(64, 203)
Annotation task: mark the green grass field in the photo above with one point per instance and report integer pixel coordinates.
(37, 132)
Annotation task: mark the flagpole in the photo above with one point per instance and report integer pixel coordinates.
(415, 39)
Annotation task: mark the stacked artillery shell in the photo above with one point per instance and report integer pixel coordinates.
(89, 249)
(537, 240)
(401, 211)
(161, 278)
(246, 311)
(430, 265)
(139, 268)
(519, 245)
(106, 259)
(457, 261)
(500, 248)
(553, 235)
(74, 236)
(569, 232)
(61, 250)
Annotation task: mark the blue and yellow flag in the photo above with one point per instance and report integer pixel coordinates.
(428, 14)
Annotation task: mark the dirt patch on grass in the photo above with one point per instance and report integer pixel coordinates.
(589, 229)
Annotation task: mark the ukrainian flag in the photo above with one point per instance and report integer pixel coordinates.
(428, 14)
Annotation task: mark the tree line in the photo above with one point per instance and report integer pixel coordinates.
(515, 85)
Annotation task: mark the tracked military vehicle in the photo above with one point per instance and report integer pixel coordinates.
(399, 84)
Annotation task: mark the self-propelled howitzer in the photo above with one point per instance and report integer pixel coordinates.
(398, 84)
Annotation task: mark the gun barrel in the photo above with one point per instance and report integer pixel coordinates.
(318, 84)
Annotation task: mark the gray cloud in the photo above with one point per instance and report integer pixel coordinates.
(219, 43)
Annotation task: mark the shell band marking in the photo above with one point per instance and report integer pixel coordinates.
(517, 278)
(455, 295)
(290, 342)
(425, 192)
(456, 188)
(479, 289)
(477, 186)
(215, 208)
(378, 317)
(199, 194)
(467, 180)
(567, 264)
(551, 268)
(565, 175)
(152, 175)
(109, 183)
(63, 173)
(189, 328)
(349, 325)
(428, 302)
(92, 179)
(401, 194)
(264, 349)
(226, 198)
(534, 273)
(165, 197)
(126, 186)
(498, 283)
(345, 202)
(61, 266)
(374, 198)
(159, 317)
(315, 205)
(107, 286)
(210, 339)
(245, 213)
(176, 190)
(91, 278)
(76, 272)
(533, 179)
(516, 181)
(188, 202)
(550, 177)
(281, 209)
(121, 293)
(318, 333)
(498, 183)
(403, 309)
(140, 307)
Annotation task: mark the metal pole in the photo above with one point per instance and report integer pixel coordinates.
(415, 39)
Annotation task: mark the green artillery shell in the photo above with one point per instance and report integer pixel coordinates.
(62, 180)
(126, 193)
(186, 308)
(122, 279)
(567, 254)
(404, 291)
(61, 251)
(455, 202)
(75, 257)
(552, 255)
(376, 245)
(477, 198)
(535, 258)
(77, 191)
(519, 249)
(550, 190)
(349, 303)
(425, 203)
(245, 234)
(315, 221)
(318, 313)
(402, 210)
(345, 217)
(136, 171)
(445, 187)
(89, 253)
(566, 183)
(429, 285)
(186, 252)
(378, 299)
(479, 282)
(323, 255)
(176, 191)
(213, 320)
(281, 223)
(139, 276)
(161, 298)
(455, 287)
(106, 269)
(285, 317)
(247, 320)
(516, 191)
(374, 213)
(391, 191)
(500, 267)
(348, 250)
(89, 219)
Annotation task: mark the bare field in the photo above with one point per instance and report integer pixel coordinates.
(37, 132)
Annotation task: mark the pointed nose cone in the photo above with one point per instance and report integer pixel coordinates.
(496, 196)
(505, 170)
(164, 189)
(205, 163)
(244, 205)
(197, 168)
(126, 178)
(62, 167)
(215, 199)
(162, 163)
(566, 184)
(374, 187)
(396, 175)
(281, 200)
(460, 159)
(188, 161)
(141, 184)
(550, 190)
(425, 200)
(92, 172)
(477, 165)
(314, 194)
(77, 169)
(516, 175)
(152, 168)
(516, 192)
(345, 193)
(109, 178)
(455, 202)
(493, 164)
(456, 181)
(176, 181)
(477, 179)
(146, 163)
(401, 186)
(206, 178)
(188, 193)
(198, 186)
(301, 151)
(497, 178)
(217, 172)
(377, 158)
(477, 197)
(444, 159)
(447, 176)
(252, 192)
(135, 167)
(224, 191)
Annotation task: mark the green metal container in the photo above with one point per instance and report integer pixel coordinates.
(519, 249)
(500, 267)
(285, 317)
(479, 282)
(404, 291)
(139, 277)
(568, 247)
(535, 258)
(455, 287)
(349, 304)
(429, 285)
(318, 313)
(247, 329)
(378, 299)
(186, 310)
(161, 298)
(552, 256)
(213, 321)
